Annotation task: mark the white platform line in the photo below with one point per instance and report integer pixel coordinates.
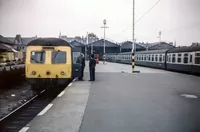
(61, 94)
(70, 84)
(24, 129)
(45, 109)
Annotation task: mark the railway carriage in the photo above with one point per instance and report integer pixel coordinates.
(51, 62)
(182, 59)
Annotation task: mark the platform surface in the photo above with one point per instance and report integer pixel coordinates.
(151, 101)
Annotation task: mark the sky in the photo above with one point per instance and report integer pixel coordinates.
(178, 20)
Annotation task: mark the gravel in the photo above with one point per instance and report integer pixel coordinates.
(15, 97)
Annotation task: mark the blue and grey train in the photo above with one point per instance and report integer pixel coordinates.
(182, 59)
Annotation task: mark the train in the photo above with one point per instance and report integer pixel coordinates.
(180, 59)
(51, 62)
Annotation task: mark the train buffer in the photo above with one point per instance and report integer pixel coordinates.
(124, 102)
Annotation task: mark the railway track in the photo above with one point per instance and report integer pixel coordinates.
(21, 116)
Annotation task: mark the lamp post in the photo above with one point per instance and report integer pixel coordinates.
(104, 27)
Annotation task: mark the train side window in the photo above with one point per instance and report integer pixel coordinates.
(58, 57)
(169, 58)
(179, 58)
(152, 58)
(173, 58)
(149, 57)
(197, 58)
(160, 58)
(185, 58)
(191, 56)
(156, 58)
(163, 57)
(38, 57)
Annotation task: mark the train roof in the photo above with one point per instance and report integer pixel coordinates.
(184, 49)
(152, 51)
(48, 42)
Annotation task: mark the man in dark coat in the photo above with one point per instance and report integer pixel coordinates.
(92, 65)
(82, 61)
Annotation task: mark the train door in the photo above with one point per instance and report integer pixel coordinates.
(76, 63)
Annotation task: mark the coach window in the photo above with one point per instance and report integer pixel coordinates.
(179, 58)
(156, 58)
(163, 57)
(169, 57)
(149, 57)
(173, 58)
(185, 58)
(160, 58)
(152, 58)
(197, 58)
(58, 57)
(144, 57)
(38, 57)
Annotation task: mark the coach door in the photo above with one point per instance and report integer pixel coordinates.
(76, 65)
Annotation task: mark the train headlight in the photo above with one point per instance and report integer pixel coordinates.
(62, 73)
(33, 72)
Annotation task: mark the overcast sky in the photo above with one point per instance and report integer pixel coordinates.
(177, 19)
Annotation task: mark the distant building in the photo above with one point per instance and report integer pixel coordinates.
(78, 44)
(98, 47)
(21, 43)
(127, 46)
(195, 44)
(160, 46)
(91, 38)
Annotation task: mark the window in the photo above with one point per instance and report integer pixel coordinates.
(169, 58)
(160, 58)
(38, 57)
(152, 58)
(185, 58)
(197, 58)
(144, 57)
(156, 58)
(58, 57)
(173, 58)
(149, 57)
(191, 58)
(179, 58)
(163, 57)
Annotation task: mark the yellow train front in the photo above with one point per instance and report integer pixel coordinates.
(49, 62)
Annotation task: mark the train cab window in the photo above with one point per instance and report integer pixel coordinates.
(38, 57)
(197, 58)
(179, 58)
(173, 58)
(185, 58)
(58, 57)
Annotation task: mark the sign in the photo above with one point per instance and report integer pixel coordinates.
(48, 48)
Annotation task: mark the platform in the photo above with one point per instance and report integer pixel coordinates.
(151, 101)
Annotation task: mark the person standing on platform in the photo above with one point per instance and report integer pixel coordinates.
(82, 61)
(92, 65)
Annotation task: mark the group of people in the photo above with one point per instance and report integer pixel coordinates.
(92, 65)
